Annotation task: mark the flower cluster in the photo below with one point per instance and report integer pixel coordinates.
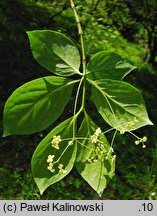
(55, 141)
(130, 125)
(95, 136)
(100, 151)
(51, 163)
(100, 154)
(142, 140)
(70, 143)
(97, 153)
(61, 170)
(50, 160)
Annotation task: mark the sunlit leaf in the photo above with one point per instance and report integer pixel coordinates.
(120, 104)
(55, 52)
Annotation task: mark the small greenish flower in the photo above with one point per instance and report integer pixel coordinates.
(95, 160)
(51, 169)
(51, 163)
(94, 138)
(144, 139)
(61, 170)
(98, 132)
(55, 141)
(130, 125)
(110, 150)
(70, 143)
(143, 146)
(141, 140)
(135, 119)
(60, 166)
(89, 160)
(98, 151)
(137, 142)
(113, 158)
(50, 158)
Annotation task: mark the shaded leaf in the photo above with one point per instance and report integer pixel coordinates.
(43, 177)
(36, 104)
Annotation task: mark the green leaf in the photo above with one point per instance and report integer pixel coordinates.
(94, 161)
(43, 177)
(108, 65)
(55, 52)
(36, 104)
(120, 104)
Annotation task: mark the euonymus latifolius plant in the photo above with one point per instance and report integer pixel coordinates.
(37, 104)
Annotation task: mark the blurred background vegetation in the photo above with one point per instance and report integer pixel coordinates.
(128, 27)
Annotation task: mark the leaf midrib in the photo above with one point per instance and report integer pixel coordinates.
(109, 97)
(49, 94)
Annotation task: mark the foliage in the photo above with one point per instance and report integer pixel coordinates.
(120, 104)
(131, 178)
(20, 16)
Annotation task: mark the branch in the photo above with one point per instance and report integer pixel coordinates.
(80, 33)
(65, 7)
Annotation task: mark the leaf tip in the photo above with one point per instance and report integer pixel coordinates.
(6, 133)
(41, 191)
(100, 194)
(150, 122)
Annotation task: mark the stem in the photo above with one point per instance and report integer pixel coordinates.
(85, 145)
(113, 138)
(75, 107)
(83, 96)
(82, 104)
(134, 135)
(62, 153)
(80, 32)
(77, 95)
